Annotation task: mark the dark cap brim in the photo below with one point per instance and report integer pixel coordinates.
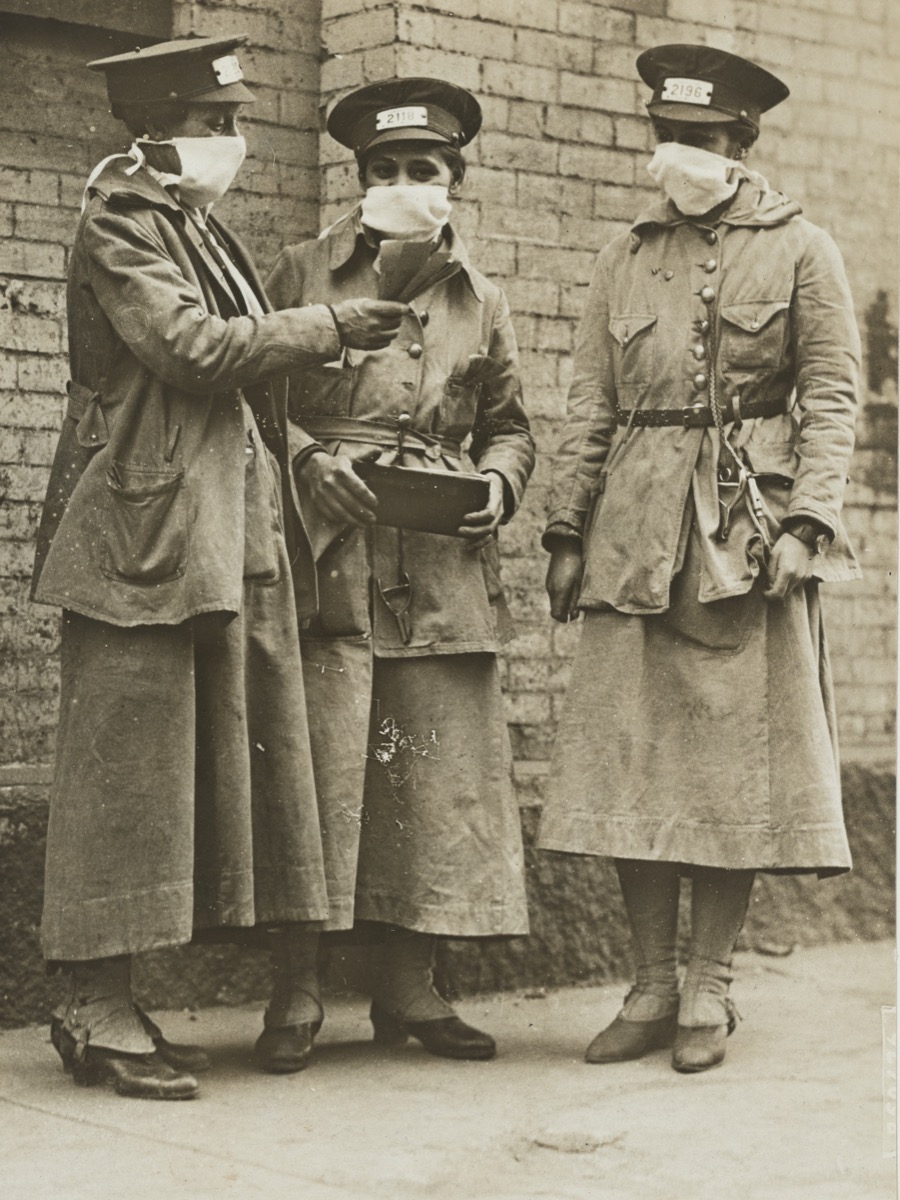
(700, 114)
(231, 93)
(407, 135)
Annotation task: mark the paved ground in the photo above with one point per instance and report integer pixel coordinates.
(795, 1113)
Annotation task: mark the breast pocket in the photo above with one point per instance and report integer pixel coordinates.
(459, 407)
(634, 335)
(145, 536)
(754, 333)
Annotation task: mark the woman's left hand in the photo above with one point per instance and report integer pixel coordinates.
(790, 565)
(478, 527)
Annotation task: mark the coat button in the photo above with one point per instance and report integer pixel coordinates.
(707, 295)
(667, 275)
(754, 324)
(415, 350)
(710, 265)
(424, 318)
(699, 351)
(700, 381)
(703, 326)
(711, 238)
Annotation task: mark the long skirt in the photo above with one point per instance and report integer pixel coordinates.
(184, 797)
(704, 735)
(420, 821)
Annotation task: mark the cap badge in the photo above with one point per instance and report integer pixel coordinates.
(227, 70)
(688, 91)
(401, 118)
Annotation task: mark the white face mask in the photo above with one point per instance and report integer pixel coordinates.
(695, 180)
(414, 212)
(208, 167)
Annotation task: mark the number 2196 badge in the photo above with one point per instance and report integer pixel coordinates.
(688, 91)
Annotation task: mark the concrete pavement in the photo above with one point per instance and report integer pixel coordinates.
(797, 1111)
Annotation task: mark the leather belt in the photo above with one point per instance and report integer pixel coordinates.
(698, 415)
(378, 433)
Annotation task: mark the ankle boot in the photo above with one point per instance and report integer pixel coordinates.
(294, 1015)
(183, 1056)
(101, 1039)
(706, 1015)
(647, 1020)
(629, 1037)
(406, 1002)
(699, 1047)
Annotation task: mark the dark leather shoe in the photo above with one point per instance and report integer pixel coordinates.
(700, 1047)
(183, 1057)
(446, 1037)
(286, 1050)
(624, 1040)
(141, 1076)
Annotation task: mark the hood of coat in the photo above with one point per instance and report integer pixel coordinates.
(753, 206)
(113, 184)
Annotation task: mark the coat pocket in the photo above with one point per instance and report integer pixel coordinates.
(320, 392)
(633, 335)
(145, 534)
(459, 407)
(720, 625)
(754, 333)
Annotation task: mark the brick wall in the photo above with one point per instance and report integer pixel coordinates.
(558, 169)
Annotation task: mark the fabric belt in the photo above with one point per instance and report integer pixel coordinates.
(699, 415)
(378, 433)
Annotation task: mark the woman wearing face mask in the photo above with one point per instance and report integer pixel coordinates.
(175, 811)
(410, 746)
(695, 507)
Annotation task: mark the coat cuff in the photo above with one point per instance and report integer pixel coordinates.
(510, 500)
(301, 445)
(811, 513)
(556, 533)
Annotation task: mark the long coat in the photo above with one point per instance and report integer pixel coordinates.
(183, 796)
(757, 307)
(411, 750)
(454, 368)
(699, 726)
(144, 518)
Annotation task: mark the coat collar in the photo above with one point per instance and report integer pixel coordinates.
(140, 188)
(112, 184)
(346, 237)
(753, 206)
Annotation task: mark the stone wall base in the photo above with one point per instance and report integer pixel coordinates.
(579, 933)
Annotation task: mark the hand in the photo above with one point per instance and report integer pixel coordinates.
(563, 581)
(337, 490)
(790, 565)
(369, 324)
(478, 527)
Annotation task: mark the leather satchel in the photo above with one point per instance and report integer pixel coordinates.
(429, 501)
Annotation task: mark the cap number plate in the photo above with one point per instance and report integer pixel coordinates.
(227, 70)
(400, 118)
(688, 91)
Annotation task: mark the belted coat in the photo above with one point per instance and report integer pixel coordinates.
(410, 746)
(144, 517)
(699, 724)
(753, 309)
(454, 368)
